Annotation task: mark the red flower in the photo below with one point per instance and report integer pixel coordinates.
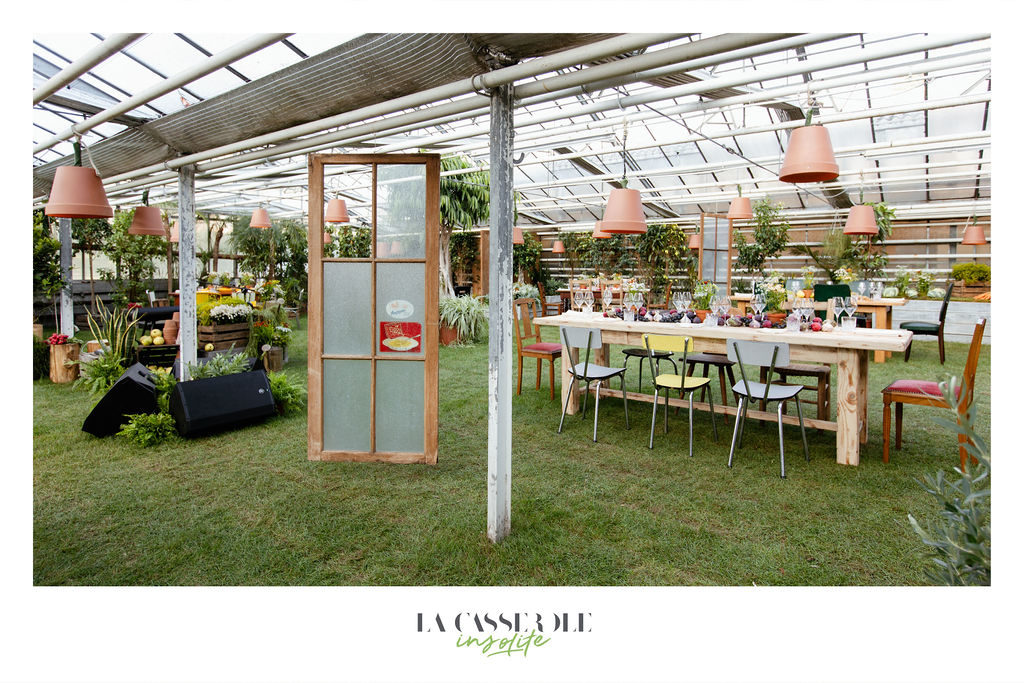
(57, 339)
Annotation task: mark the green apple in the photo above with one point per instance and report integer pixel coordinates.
(208, 347)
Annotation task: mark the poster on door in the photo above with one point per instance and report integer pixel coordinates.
(400, 337)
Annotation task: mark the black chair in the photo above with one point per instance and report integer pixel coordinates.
(931, 329)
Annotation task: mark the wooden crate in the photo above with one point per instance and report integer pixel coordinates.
(962, 291)
(223, 336)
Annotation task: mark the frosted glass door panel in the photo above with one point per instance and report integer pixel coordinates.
(400, 308)
(399, 406)
(347, 405)
(401, 211)
(348, 326)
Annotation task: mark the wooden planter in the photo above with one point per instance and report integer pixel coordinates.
(59, 354)
(223, 336)
(273, 360)
(962, 291)
(449, 335)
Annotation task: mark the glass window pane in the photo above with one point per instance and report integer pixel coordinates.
(400, 305)
(347, 322)
(401, 210)
(399, 406)
(347, 405)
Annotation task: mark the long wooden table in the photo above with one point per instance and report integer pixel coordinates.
(881, 308)
(847, 350)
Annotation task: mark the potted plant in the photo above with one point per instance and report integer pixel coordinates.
(64, 352)
(971, 279)
(463, 318)
(773, 287)
(703, 292)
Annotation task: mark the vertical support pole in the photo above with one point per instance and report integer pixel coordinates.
(499, 369)
(187, 267)
(67, 304)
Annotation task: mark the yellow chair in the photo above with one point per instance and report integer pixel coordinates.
(667, 381)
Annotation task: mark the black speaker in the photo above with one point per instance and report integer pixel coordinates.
(211, 404)
(133, 392)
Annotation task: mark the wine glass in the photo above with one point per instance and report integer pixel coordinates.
(686, 298)
(577, 299)
(795, 286)
(862, 287)
(588, 300)
(606, 298)
(757, 302)
(850, 304)
(838, 305)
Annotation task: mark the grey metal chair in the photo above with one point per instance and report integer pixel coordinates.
(584, 338)
(770, 355)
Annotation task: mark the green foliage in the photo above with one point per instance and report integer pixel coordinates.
(279, 252)
(289, 397)
(100, 373)
(577, 246)
(221, 364)
(660, 252)
(959, 542)
(40, 358)
(348, 242)
(770, 238)
(465, 253)
(467, 314)
(525, 291)
(865, 257)
(164, 381)
(46, 276)
(114, 329)
(526, 259)
(148, 430)
(132, 256)
(609, 255)
(466, 197)
(90, 233)
(902, 281)
(972, 273)
(925, 278)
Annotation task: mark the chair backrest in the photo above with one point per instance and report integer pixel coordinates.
(945, 304)
(971, 368)
(524, 311)
(826, 292)
(151, 295)
(581, 338)
(667, 342)
(763, 354)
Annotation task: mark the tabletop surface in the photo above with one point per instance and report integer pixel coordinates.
(862, 301)
(870, 339)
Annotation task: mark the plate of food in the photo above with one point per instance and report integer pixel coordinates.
(401, 343)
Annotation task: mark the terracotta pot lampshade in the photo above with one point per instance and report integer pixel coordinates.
(558, 247)
(175, 232)
(260, 218)
(337, 211)
(600, 234)
(694, 241)
(146, 221)
(517, 236)
(809, 157)
(327, 237)
(739, 209)
(624, 213)
(77, 192)
(974, 236)
(861, 221)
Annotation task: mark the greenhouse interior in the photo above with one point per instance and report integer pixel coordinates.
(285, 285)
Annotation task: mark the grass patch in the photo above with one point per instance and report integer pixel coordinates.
(247, 508)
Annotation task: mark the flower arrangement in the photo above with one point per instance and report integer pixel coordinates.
(703, 292)
(282, 335)
(218, 278)
(229, 313)
(773, 288)
(844, 275)
(925, 279)
(269, 289)
(247, 279)
(808, 272)
(58, 339)
(633, 286)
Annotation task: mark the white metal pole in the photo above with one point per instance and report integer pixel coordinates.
(500, 349)
(112, 45)
(187, 268)
(67, 303)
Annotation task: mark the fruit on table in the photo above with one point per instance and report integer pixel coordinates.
(816, 326)
(146, 340)
(208, 347)
(157, 341)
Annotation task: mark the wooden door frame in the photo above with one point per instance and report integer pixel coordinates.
(429, 338)
(700, 250)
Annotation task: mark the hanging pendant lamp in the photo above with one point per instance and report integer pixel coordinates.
(600, 234)
(77, 192)
(260, 219)
(558, 247)
(337, 212)
(694, 242)
(327, 237)
(517, 236)
(175, 232)
(809, 157)
(624, 213)
(739, 209)
(974, 235)
(146, 221)
(861, 221)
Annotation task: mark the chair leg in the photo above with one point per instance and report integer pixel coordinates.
(704, 389)
(803, 432)
(625, 403)
(886, 426)
(899, 425)
(822, 393)
(691, 424)
(519, 384)
(640, 377)
(782, 448)
(654, 417)
(962, 438)
(586, 395)
(721, 383)
(597, 405)
(565, 408)
(540, 368)
(906, 354)
(666, 411)
(942, 348)
(743, 422)
(551, 378)
(711, 406)
(736, 429)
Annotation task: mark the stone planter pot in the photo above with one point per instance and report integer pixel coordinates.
(449, 335)
(60, 354)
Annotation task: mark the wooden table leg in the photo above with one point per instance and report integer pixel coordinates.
(881, 322)
(848, 411)
(569, 357)
(862, 395)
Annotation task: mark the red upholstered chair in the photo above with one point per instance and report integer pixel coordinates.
(529, 345)
(924, 393)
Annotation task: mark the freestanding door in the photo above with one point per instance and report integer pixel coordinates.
(373, 319)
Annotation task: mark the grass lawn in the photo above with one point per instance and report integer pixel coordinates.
(246, 507)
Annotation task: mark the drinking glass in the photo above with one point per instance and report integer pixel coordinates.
(606, 298)
(862, 287)
(686, 298)
(850, 304)
(838, 305)
(588, 300)
(757, 302)
(795, 286)
(577, 299)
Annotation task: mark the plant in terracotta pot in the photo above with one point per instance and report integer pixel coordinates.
(703, 292)
(463, 319)
(773, 288)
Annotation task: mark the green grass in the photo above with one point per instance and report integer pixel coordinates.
(246, 507)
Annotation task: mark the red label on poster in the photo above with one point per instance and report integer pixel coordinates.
(400, 337)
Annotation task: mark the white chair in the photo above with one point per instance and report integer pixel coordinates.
(584, 338)
(770, 355)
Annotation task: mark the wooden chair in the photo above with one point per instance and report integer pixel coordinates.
(931, 329)
(923, 393)
(529, 345)
(547, 308)
(615, 286)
